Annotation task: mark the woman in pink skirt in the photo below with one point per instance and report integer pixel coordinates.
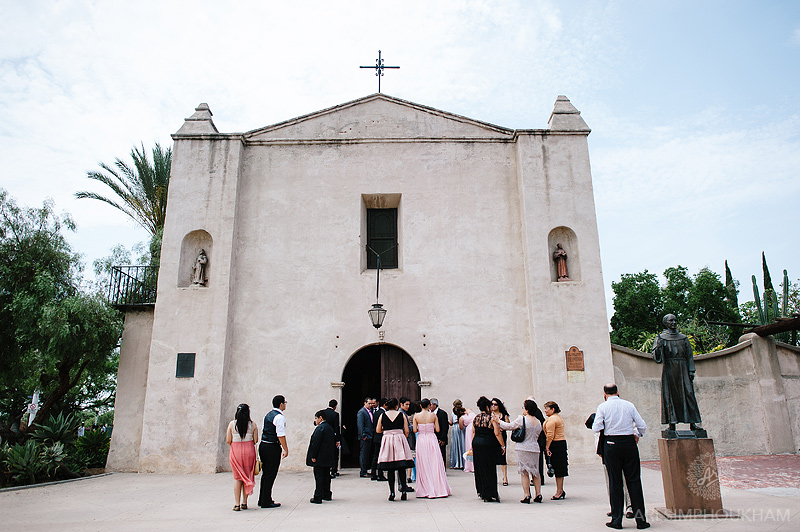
(241, 436)
(431, 476)
(395, 454)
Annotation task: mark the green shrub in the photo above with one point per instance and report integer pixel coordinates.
(22, 463)
(52, 458)
(93, 448)
(61, 428)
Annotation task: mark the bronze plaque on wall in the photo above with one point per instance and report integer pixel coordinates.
(574, 359)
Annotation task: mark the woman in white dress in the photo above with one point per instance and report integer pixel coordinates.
(527, 450)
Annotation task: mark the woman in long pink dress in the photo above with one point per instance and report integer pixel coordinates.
(241, 436)
(431, 476)
(466, 420)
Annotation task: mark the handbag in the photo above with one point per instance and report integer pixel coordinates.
(257, 468)
(518, 435)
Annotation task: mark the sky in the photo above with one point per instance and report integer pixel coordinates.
(694, 108)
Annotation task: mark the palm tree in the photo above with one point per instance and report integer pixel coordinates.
(141, 190)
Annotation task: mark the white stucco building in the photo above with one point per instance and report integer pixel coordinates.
(287, 215)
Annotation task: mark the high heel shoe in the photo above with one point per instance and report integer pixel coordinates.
(560, 497)
(391, 496)
(526, 500)
(538, 498)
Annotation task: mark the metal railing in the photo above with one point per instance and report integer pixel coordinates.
(133, 286)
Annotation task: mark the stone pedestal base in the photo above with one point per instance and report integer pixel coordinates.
(691, 481)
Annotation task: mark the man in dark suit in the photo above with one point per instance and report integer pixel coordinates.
(376, 440)
(321, 456)
(332, 417)
(444, 428)
(365, 432)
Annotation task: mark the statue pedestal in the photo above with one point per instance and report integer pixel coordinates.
(691, 481)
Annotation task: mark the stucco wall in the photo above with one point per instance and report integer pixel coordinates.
(789, 361)
(744, 400)
(134, 358)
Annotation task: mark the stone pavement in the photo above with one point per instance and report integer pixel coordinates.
(127, 501)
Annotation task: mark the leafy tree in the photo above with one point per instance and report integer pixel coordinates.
(676, 293)
(640, 303)
(52, 336)
(637, 305)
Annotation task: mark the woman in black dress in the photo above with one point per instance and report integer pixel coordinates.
(499, 410)
(487, 446)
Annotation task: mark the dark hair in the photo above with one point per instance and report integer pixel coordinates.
(367, 399)
(404, 399)
(484, 405)
(553, 405)
(320, 413)
(610, 389)
(501, 407)
(332, 403)
(383, 401)
(425, 403)
(531, 407)
(278, 400)
(242, 418)
(391, 404)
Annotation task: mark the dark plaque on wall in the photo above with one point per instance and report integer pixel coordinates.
(185, 366)
(574, 359)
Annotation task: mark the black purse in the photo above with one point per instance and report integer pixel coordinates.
(518, 435)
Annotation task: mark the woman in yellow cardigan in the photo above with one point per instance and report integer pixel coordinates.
(556, 448)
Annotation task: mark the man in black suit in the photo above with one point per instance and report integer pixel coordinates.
(332, 417)
(376, 440)
(365, 432)
(321, 456)
(444, 428)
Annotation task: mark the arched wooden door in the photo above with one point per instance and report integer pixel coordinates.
(377, 371)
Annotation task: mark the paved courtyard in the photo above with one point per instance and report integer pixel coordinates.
(125, 501)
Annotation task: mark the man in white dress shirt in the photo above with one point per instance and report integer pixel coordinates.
(271, 450)
(621, 423)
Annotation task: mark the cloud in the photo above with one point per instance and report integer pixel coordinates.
(794, 40)
(696, 191)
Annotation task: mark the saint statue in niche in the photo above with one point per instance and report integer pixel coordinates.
(199, 269)
(560, 258)
(678, 401)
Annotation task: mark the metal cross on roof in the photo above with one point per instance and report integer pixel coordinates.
(379, 66)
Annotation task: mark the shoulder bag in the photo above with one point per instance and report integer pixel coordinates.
(518, 435)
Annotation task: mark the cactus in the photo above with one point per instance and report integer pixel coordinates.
(769, 311)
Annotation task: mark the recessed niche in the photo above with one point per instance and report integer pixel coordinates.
(196, 260)
(569, 244)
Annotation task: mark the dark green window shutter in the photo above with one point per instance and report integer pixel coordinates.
(382, 237)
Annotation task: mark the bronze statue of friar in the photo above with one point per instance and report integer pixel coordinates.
(678, 401)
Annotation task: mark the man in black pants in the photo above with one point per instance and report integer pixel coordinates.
(376, 440)
(321, 455)
(272, 449)
(622, 426)
(332, 417)
(364, 425)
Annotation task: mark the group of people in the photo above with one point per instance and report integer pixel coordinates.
(401, 440)
(389, 430)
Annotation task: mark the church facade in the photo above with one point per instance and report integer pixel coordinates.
(269, 266)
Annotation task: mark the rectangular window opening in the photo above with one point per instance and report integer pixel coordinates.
(382, 238)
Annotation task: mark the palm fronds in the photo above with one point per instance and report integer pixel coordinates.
(140, 190)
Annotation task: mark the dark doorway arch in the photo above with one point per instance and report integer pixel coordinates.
(381, 370)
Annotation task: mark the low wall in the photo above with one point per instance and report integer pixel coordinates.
(748, 394)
